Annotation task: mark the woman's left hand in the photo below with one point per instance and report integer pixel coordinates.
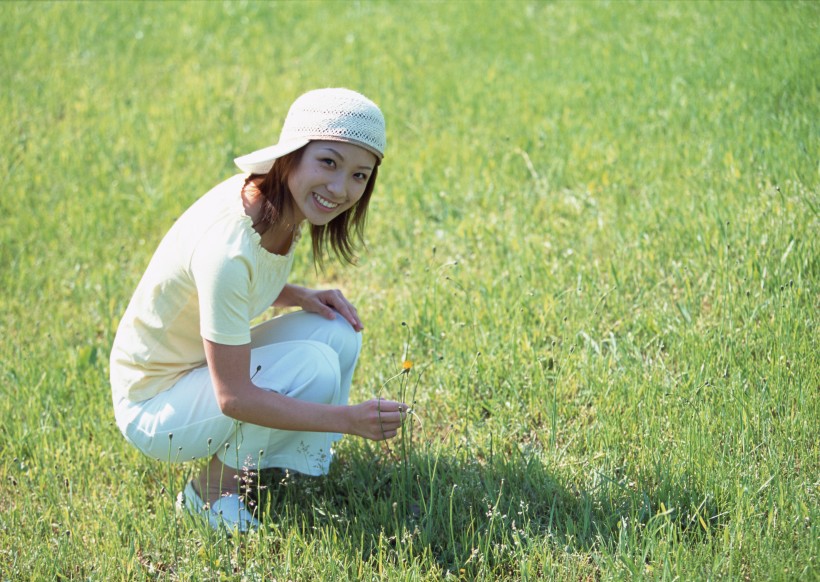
(325, 301)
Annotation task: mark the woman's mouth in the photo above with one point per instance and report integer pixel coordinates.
(324, 202)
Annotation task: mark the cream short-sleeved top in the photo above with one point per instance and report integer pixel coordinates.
(208, 279)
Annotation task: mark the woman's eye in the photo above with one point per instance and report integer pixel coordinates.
(361, 176)
(329, 162)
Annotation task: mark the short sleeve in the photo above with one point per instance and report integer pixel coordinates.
(223, 287)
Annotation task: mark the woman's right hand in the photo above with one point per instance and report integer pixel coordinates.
(378, 419)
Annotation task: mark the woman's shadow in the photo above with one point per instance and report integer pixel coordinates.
(462, 509)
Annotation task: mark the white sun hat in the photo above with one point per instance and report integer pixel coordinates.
(323, 114)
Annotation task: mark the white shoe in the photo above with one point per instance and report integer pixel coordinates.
(229, 510)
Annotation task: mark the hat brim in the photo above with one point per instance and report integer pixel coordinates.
(261, 161)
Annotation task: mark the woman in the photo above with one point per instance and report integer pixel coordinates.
(192, 379)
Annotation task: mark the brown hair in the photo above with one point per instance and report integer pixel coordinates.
(338, 234)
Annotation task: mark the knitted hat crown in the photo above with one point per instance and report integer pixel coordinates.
(323, 114)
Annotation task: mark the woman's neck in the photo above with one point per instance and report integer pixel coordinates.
(278, 239)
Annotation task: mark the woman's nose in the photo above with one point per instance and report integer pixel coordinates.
(336, 186)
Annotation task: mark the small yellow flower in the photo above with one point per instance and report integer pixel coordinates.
(406, 366)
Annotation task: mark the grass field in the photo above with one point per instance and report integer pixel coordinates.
(595, 235)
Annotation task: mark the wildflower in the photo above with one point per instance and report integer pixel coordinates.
(406, 366)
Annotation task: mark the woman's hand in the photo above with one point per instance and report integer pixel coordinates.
(378, 419)
(326, 303)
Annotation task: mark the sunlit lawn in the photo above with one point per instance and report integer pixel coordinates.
(594, 235)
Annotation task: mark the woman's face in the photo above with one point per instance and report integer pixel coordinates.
(330, 179)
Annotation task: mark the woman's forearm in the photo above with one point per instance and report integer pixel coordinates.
(289, 296)
(273, 410)
(375, 419)
(239, 398)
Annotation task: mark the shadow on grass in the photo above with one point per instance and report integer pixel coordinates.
(462, 511)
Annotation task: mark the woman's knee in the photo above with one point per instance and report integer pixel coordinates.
(302, 325)
(316, 374)
(345, 341)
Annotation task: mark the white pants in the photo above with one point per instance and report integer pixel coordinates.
(301, 355)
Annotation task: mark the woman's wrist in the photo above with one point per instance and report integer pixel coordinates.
(345, 419)
(290, 296)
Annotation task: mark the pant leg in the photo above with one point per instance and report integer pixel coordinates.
(305, 452)
(185, 422)
(336, 333)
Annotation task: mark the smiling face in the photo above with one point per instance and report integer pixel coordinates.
(331, 178)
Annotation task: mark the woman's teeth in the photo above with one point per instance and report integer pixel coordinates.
(324, 202)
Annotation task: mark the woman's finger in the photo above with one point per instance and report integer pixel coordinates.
(392, 406)
(394, 418)
(336, 300)
(347, 311)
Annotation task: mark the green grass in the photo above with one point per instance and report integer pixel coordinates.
(598, 221)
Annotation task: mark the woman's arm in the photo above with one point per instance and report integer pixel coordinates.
(239, 398)
(323, 302)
